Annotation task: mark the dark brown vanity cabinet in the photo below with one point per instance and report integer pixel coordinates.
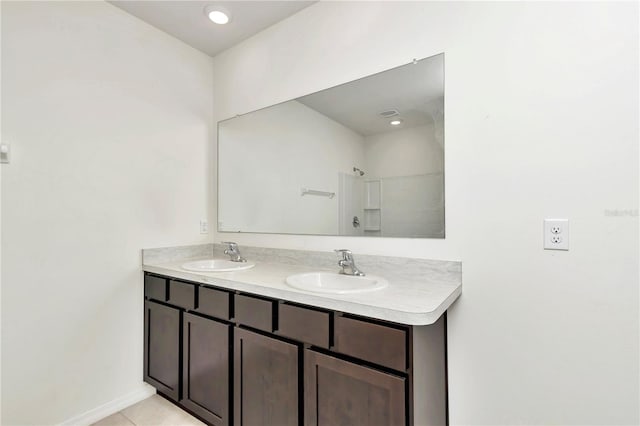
(162, 348)
(187, 356)
(239, 359)
(265, 380)
(205, 368)
(339, 392)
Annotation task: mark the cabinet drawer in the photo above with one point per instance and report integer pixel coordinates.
(182, 294)
(371, 342)
(213, 302)
(254, 312)
(155, 288)
(304, 324)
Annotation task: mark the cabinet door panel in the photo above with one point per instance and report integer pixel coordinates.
(341, 393)
(206, 368)
(162, 348)
(266, 381)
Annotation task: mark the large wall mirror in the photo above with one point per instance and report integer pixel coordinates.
(365, 158)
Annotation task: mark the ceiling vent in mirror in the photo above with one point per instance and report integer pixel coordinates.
(389, 113)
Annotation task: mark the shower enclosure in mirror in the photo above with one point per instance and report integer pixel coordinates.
(365, 158)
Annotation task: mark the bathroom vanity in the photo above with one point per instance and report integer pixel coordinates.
(242, 348)
(275, 344)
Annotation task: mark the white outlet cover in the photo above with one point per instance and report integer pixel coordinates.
(556, 234)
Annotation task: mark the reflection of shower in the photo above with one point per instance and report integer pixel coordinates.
(357, 170)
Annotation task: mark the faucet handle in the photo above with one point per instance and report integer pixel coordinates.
(346, 254)
(347, 263)
(233, 251)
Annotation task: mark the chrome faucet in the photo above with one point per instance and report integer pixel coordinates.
(233, 251)
(347, 263)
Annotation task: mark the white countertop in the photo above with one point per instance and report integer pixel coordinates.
(412, 301)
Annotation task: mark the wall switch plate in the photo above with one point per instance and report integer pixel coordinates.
(204, 227)
(556, 234)
(5, 153)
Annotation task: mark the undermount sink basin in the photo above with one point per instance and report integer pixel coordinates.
(329, 282)
(216, 265)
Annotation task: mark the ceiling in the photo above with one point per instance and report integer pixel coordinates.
(187, 21)
(416, 91)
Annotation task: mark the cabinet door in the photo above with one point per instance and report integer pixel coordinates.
(205, 375)
(162, 348)
(265, 381)
(337, 392)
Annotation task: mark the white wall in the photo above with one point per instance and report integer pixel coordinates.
(0, 219)
(541, 121)
(257, 167)
(110, 122)
(404, 152)
(409, 163)
(412, 206)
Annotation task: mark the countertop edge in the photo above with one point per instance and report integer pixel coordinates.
(310, 299)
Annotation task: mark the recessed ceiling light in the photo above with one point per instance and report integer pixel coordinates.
(217, 14)
(395, 122)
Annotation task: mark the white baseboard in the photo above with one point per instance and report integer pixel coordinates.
(110, 407)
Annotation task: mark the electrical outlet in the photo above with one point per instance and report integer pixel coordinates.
(204, 227)
(556, 234)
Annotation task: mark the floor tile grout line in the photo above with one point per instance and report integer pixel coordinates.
(184, 417)
(128, 419)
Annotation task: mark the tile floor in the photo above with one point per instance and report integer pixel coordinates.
(152, 411)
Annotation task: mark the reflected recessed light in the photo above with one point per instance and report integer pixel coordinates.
(217, 14)
(395, 122)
